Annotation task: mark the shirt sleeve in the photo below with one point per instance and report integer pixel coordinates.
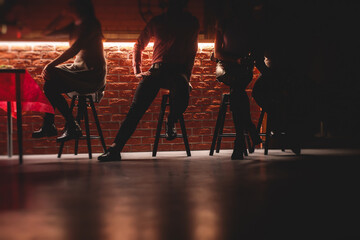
(142, 41)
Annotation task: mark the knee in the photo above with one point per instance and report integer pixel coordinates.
(181, 85)
(49, 87)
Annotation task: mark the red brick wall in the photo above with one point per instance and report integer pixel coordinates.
(200, 116)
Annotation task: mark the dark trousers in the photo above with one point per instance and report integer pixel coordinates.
(62, 79)
(240, 108)
(166, 77)
(240, 76)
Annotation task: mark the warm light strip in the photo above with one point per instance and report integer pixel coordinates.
(106, 44)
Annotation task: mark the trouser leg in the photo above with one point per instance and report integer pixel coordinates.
(144, 95)
(179, 96)
(240, 106)
(53, 93)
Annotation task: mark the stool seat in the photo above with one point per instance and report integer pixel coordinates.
(85, 100)
(96, 96)
(164, 103)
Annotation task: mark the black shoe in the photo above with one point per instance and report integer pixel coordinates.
(47, 130)
(238, 154)
(72, 131)
(111, 155)
(170, 131)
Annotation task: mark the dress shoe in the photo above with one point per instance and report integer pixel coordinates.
(72, 131)
(170, 131)
(47, 130)
(111, 155)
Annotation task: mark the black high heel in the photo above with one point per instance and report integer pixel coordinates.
(47, 130)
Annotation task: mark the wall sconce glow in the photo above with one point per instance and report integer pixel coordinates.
(3, 29)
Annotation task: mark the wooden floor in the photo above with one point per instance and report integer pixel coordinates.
(174, 197)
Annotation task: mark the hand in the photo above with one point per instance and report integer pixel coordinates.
(142, 74)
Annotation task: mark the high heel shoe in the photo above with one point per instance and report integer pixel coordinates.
(47, 130)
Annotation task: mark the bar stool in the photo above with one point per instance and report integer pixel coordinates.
(268, 133)
(166, 102)
(219, 127)
(83, 102)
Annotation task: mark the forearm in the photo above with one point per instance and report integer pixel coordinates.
(68, 54)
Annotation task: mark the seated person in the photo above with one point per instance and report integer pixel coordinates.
(237, 51)
(175, 45)
(85, 75)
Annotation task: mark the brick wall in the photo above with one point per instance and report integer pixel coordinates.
(200, 116)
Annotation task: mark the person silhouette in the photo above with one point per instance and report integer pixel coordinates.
(175, 34)
(237, 50)
(86, 74)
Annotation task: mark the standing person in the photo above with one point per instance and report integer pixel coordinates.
(237, 49)
(86, 74)
(175, 45)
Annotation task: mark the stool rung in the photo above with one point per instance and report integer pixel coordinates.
(164, 136)
(230, 134)
(227, 135)
(164, 103)
(91, 137)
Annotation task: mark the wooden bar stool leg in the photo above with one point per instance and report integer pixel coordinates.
(160, 122)
(184, 134)
(267, 136)
(260, 120)
(86, 116)
(97, 123)
(222, 122)
(79, 117)
(61, 149)
(72, 104)
(217, 127)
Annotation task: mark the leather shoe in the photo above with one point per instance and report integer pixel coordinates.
(72, 131)
(170, 131)
(45, 131)
(111, 155)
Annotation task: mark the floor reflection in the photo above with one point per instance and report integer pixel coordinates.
(200, 198)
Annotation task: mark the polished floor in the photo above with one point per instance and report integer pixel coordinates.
(174, 197)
